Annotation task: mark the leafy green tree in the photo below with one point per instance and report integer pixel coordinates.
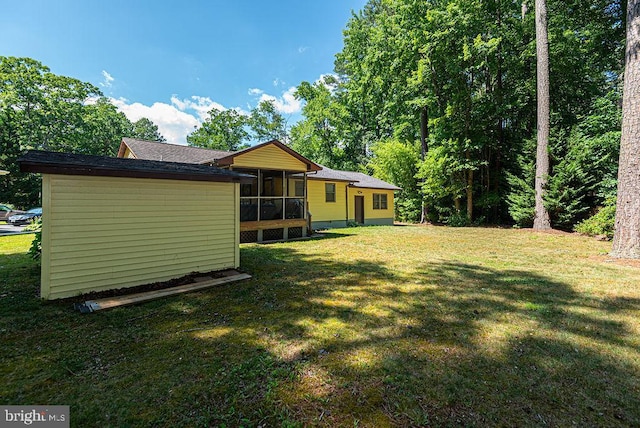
(45, 108)
(374, 67)
(444, 179)
(21, 190)
(38, 110)
(565, 196)
(585, 176)
(585, 169)
(44, 111)
(521, 198)
(397, 162)
(462, 74)
(430, 71)
(266, 123)
(222, 130)
(104, 127)
(319, 135)
(145, 129)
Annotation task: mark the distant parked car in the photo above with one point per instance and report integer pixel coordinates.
(25, 218)
(6, 212)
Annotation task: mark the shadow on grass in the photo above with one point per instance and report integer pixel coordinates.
(550, 304)
(19, 281)
(312, 340)
(328, 234)
(317, 236)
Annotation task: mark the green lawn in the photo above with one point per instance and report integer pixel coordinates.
(376, 326)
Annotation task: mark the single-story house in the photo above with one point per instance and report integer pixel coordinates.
(112, 223)
(289, 194)
(337, 198)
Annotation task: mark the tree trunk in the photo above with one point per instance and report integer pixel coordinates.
(424, 131)
(424, 145)
(541, 219)
(626, 238)
(470, 195)
(501, 136)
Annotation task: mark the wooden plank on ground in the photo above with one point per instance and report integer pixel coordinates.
(112, 302)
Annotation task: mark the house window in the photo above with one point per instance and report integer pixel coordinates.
(379, 201)
(330, 192)
(299, 190)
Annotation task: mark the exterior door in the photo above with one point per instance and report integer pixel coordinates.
(359, 208)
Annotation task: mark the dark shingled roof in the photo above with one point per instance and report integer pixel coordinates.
(357, 179)
(74, 164)
(158, 151)
(328, 174)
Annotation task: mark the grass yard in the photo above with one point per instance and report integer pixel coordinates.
(376, 326)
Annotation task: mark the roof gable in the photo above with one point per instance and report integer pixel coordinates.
(233, 158)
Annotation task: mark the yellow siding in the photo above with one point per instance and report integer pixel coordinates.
(291, 186)
(109, 232)
(327, 211)
(269, 157)
(369, 212)
(46, 236)
(128, 154)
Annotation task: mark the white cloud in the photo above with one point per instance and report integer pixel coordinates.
(173, 123)
(303, 49)
(277, 82)
(201, 105)
(255, 91)
(328, 76)
(91, 100)
(108, 79)
(329, 80)
(176, 120)
(286, 103)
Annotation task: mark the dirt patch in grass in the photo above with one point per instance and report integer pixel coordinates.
(619, 262)
(546, 232)
(161, 285)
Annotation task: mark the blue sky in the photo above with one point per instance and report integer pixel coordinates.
(172, 61)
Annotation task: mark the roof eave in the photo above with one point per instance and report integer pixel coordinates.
(312, 177)
(86, 165)
(109, 172)
(364, 186)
